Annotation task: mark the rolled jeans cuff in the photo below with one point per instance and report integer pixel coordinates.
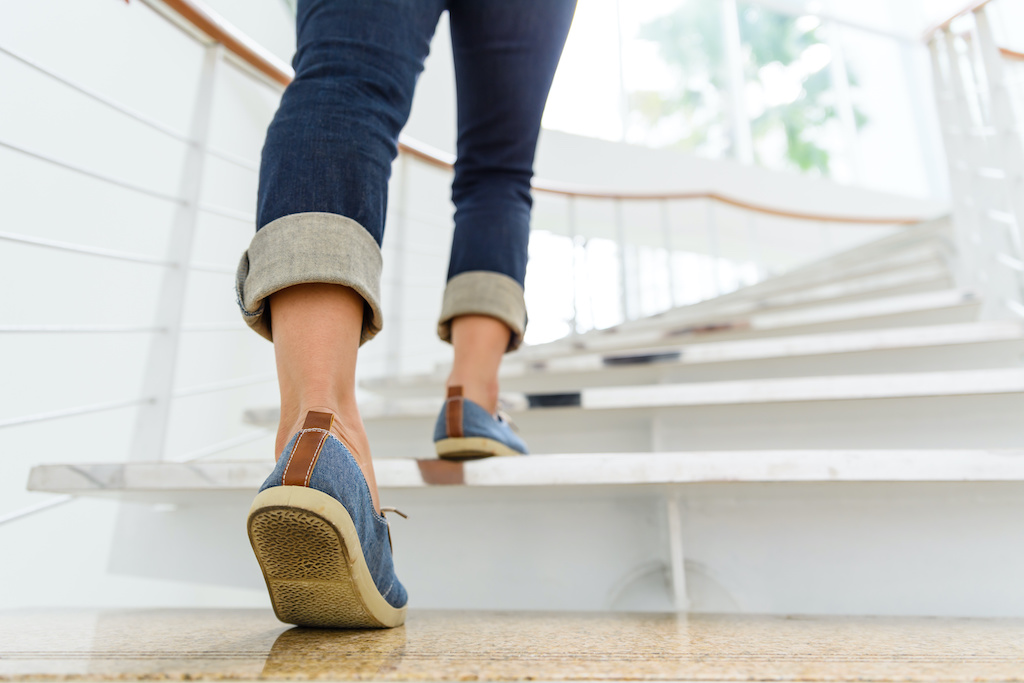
(307, 248)
(482, 292)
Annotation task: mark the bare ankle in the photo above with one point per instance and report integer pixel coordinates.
(482, 392)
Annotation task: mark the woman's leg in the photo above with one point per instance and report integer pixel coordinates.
(505, 58)
(479, 341)
(316, 339)
(310, 280)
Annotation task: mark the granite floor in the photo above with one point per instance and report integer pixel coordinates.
(252, 644)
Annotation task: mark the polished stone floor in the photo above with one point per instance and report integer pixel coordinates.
(252, 644)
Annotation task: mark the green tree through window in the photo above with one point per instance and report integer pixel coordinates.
(788, 89)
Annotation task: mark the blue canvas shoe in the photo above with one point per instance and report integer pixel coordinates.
(464, 430)
(324, 549)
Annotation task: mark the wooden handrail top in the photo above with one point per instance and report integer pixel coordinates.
(972, 6)
(252, 53)
(1012, 54)
(242, 46)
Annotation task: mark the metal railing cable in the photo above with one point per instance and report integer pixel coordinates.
(98, 97)
(75, 412)
(225, 385)
(127, 111)
(102, 252)
(207, 388)
(29, 510)
(226, 212)
(112, 253)
(224, 445)
(113, 180)
(81, 329)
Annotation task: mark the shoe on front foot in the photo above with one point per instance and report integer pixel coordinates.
(324, 549)
(465, 430)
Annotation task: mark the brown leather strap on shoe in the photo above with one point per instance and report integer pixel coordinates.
(453, 412)
(307, 449)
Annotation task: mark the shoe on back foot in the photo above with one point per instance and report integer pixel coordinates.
(465, 430)
(324, 549)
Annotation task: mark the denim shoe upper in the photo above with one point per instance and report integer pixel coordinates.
(336, 473)
(477, 422)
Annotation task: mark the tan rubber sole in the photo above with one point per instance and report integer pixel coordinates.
(465, 447)
(309, 551)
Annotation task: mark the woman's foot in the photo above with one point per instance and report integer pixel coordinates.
(465, 430)
(324, 548)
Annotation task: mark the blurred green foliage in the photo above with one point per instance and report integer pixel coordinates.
(691, 41)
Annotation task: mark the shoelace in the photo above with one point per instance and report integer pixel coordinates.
(503, 416)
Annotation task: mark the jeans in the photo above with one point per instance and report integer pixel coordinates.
(327, 159)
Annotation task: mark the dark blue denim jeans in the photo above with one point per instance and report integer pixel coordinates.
(328, 153)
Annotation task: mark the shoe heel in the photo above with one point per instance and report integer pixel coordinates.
(309, 551)
(469, 447)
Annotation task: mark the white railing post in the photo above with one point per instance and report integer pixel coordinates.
(957, 125)
(150, 436)
(666, 238)
(570, 229)
(825, 232)
(716, 266)
(844, 100)
(623, 93)
(743, 139)
(1008, 154)
(625, 290)
(755, 251)
(676, 553)
(397, 237)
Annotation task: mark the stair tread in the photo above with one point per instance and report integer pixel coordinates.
(588, 469)
(694, 353)
(756, 322)
(910, 245)
(745, 391)
(933, 273)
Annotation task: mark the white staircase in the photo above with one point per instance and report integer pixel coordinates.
(844, 438)
(854, 420)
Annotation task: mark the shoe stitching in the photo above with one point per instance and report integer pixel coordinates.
(291, 455)
(316, 456)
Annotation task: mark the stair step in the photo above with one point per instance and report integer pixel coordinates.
(929, 308)
(914, 349)
(855, 268)
(852, 387)
(906, 246)
(790, 389)
(949, 409)
(928, 276)
(161, 481)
